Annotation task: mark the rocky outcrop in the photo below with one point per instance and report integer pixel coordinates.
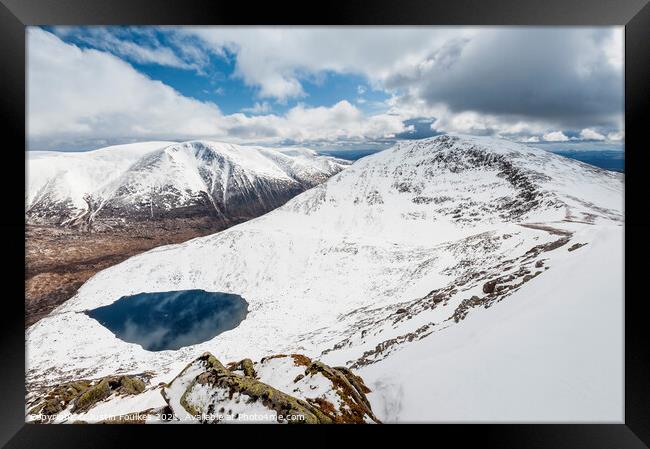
(576, 246)
(279, 388)
(80, 396)
(309, 392)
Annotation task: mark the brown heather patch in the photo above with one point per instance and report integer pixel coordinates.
(59, 260)
(301, 360)
(326, 406)
(356, 405)
(271, 357)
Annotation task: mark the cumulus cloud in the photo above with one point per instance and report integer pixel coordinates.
(259, 108)
(556, 136)
(616, 136)
(276, 60)
(340, 122)
(86, 95)
(479, 80)
(75, 93)
(120, 41)
(590, 134)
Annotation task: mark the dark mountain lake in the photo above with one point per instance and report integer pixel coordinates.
(171, 320)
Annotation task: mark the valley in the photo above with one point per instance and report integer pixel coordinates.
(58, 260)
(88, 211)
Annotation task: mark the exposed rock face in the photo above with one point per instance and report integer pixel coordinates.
(488, 287)
(281, 388)
(81, 396)
(302, 392)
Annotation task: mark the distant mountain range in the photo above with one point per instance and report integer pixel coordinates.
(152, 181)
(607, 159)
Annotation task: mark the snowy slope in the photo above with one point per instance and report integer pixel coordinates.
(154, 180)
(553, 353)
(67, 177)
(412, 253)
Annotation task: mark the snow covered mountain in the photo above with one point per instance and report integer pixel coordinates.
(162, 180)
(464, 278)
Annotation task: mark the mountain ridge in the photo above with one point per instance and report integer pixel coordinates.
(195, 178)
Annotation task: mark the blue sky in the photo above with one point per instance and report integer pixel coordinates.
(216, 81)
(322, 87)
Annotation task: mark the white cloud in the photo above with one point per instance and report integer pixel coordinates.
(468, 122)
(340, 122)
(259, 108)
(555, 136)
(508, 82)
(616, 136)
(77, 95)
(590, 134)
(276, 59)
(614, 49)
(561, 78)
(118, 40)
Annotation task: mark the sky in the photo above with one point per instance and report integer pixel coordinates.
(323, 87)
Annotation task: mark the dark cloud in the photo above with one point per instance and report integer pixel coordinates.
(557, 75)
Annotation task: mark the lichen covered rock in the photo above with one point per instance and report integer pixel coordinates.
(279, 388)
(91, 396)
(81, 396)
(58, 398)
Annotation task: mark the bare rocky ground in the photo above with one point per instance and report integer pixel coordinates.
(58, 260)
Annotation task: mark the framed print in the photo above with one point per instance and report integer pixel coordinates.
(415, 213)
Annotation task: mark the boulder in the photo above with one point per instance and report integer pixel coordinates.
(284, 388)
(83, 395)
(91, 396)
(576, 246)
(488, 287)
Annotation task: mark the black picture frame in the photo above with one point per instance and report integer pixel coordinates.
(15, 15)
